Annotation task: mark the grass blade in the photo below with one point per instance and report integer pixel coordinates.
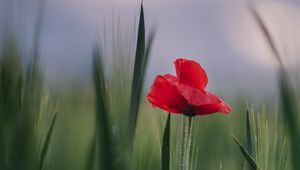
(289, 106)
(138, 75)
(11, 89)
(287, 92)
(45, 147)
(102, 114)
(249, 135)
(262, 26)
(246, 155)
(165, 155)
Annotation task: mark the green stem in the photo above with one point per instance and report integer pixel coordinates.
(166, 145)
(186, 143)
(184, 139)
(189, 143)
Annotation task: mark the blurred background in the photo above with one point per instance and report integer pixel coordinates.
(221, 35)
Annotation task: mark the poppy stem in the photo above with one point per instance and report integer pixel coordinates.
(189, 143)
(186, 144)
(184, 141)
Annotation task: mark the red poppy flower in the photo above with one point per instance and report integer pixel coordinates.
(185, 93)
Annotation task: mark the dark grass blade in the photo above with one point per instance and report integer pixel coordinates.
(11, 84)
(45, 147)
(246, 155)
(102, 114)
(250, 148)
(165, 155)
(92, 154)
(21, 90)
(11, 81)
(289, 106)
(137, 82)
(140, 64)
(262, 26)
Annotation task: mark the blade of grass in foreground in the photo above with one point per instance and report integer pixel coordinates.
(246, 155)
(140, 64)
(11, 89)
(165, 155)
(289, 106)
(143, 51)
(264, 30)
(286, 91)
(138, 75)
(102, 114)
(21, 89)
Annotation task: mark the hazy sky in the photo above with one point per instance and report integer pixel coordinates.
(221, 35)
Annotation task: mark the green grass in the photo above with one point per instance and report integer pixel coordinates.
(269, 140)
(25, 111)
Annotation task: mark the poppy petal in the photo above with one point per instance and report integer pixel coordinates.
(164, 94)
(191, 73)
(212, 108)
(219, 106)
(207, 109)
(195, 96)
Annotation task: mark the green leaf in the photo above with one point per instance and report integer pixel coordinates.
(102, 114)
(246, 155)
(140, 64)
(45, 147)
(138, 75)
(165, 154)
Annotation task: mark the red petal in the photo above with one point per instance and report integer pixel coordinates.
(164, 94)
(218, 106)
(191, 73)
(212, 108)
(207, 109)
(195, 96)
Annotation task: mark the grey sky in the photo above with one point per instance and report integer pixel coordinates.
(221, 35)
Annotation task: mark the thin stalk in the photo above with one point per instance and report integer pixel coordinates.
(184, 141)
(186, 144)
(165, 154)
(189, 142)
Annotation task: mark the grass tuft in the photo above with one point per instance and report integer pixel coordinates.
(102, 113)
